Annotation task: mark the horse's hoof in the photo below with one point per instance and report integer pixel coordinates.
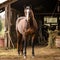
(24, 57)
(18, 54)
(33, 56)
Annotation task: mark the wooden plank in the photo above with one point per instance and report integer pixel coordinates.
(7, 3)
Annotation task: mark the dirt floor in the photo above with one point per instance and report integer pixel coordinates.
(41, 53)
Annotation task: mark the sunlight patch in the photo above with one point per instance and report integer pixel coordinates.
(1, 1)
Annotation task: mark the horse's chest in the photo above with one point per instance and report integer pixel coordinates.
(24, 27)
(30, 31)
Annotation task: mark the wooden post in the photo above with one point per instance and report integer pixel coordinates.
(7, 25)
(9, 18)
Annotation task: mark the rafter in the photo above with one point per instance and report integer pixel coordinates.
(6, 3)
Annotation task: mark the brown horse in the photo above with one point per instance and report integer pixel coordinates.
(26, 26)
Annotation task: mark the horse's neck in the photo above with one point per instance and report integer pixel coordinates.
(30, 23)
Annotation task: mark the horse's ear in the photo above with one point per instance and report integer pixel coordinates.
(24, 6)
(30, 6)
(27, 5)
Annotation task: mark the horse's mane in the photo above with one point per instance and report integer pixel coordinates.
(33, 20)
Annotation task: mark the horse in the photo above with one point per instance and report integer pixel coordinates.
(26, 26)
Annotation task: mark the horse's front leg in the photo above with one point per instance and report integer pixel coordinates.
(33, 38)
(18, 46)
(24, 46)
(19, 42)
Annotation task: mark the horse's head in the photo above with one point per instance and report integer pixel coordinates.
(30, 16)
(28, 13)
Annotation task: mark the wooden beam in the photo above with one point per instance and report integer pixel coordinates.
(7, 3)
(47, 14)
